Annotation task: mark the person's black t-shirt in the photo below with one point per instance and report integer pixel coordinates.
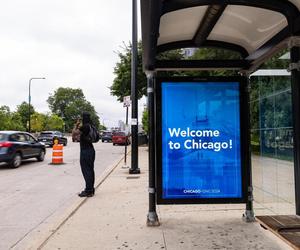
(84, 132)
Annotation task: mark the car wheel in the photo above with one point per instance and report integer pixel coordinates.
(16, 161)
(41, 156)
(65, 143)
(114, 144)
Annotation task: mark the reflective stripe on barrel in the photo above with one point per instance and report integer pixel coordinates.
(57, 154)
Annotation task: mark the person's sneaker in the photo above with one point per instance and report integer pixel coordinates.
(86, 194)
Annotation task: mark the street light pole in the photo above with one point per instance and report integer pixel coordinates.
(134, 113)
(29, 99)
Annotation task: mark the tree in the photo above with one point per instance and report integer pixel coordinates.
(4, 118)
(10, 120)
(69, 104)
(214, 54)
(16, 122)
(37, 122)
(23, 111)
(122, 82)
(102, 127)
(54, 122)
(275, 63)
(145, 120)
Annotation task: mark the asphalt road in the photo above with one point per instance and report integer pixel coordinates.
(33, 192)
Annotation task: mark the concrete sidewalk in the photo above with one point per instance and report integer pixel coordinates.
(115, 218)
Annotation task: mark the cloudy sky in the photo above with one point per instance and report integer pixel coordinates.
(70, 42)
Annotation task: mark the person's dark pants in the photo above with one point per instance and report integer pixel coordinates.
(87, 159)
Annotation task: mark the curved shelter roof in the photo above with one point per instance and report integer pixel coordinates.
(255, 28)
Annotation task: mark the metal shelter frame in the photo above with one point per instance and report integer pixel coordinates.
(152, 12)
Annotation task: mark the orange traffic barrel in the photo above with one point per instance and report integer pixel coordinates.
(57, 154)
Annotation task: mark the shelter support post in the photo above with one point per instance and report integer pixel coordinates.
(295, 77)
(152, 218)
(248, 216)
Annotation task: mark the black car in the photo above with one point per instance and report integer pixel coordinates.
(48, 137)
(16, 146)
(106, 136)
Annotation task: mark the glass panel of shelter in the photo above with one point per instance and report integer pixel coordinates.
(272, 144)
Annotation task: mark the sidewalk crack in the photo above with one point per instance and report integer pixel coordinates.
(163, 233)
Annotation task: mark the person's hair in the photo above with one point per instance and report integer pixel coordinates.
(86, 118)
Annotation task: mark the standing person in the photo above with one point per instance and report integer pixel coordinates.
(87, 156)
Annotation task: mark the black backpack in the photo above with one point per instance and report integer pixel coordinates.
(94, 135)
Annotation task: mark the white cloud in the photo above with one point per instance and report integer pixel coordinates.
(70, 42)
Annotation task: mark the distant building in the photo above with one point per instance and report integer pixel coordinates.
(188, 52)
(121, 125)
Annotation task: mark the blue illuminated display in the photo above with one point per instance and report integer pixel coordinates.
(201, 144)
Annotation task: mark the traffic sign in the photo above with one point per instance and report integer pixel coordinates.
(126, 101)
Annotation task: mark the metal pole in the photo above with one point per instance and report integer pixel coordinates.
(295, 77)
(125, 157)
(248, 216)
(152, 218)
(29, 99)
(134, 114)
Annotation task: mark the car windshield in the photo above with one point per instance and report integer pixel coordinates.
(46, 133)
(2, 137)
(119, 134)
(107, 133)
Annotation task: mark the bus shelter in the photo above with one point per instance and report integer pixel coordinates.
(256, 29)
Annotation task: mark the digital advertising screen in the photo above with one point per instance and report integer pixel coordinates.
(200, 142)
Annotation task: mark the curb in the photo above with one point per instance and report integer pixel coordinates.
(42, 234)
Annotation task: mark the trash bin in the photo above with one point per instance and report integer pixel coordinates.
(142, 139)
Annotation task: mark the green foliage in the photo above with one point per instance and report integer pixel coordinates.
(271, 116)
(102, 127)
(214, 53)
(211, 54)
(69, 104)
(122, 83)
(16, 122)
(4, 118)
(175, 54)
(64, 97)
(54, 122)
(23, 111)
(10, 120)
(37, 122)
(275, 63)
(145, 120)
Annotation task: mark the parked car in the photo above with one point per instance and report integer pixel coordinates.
(106, 136)
(120, 138)
(16, 146)
(48, 137)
